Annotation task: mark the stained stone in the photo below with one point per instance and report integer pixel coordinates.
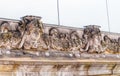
(118, 56)
(29, 47)
(77, 55)
(37, 53)
(116, 70)
(103, 56)
(6, 68)
(71, 55)
(82, 70)
(8, 52)
(99, 69)
(1, 52)
(7, 74)
(47, 54)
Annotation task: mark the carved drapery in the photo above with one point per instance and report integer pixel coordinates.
(29, 35)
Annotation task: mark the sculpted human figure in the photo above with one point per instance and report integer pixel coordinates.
(97, 44)
(54, 38)
(15, 39)
(64, 42)
(93, 39)
(20, 27)
(87, 37)
(76, 41)
(44, 42)
(107, 39)
(114, 46)
(5, 35)
(106, 43)
(32, 33)
(111, 45)
(9, 38)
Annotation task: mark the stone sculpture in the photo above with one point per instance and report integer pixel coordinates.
(29, 35)
(30, 47)
(32, 32)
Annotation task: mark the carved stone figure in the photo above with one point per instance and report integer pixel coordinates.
(114, 46)
(64, 42)
(15, 40)
(93, 38)
(32, 33)
(111, 45)
(30, 39)
(54, 38)
(75, 41)
(5, 35)
(4, 27)
(45, 42)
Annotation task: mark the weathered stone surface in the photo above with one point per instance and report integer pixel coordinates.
(32, 36)
(30, 48)
(59, 70)
(116, 70)
(99, 69)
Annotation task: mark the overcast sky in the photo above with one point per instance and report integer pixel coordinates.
(75, 13)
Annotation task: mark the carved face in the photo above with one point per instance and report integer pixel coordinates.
(86, 31)
(107, 39)
(54, 32)
(74, 35)
(5, 28)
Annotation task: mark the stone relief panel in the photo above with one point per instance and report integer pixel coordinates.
(29, 35)
(91, 41)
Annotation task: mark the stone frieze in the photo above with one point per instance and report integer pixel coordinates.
(30, 38)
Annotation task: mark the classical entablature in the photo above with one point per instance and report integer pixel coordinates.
(57, 48)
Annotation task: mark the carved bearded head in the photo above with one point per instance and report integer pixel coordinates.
(54, 32)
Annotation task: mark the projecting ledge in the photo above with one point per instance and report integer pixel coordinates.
(57, 61)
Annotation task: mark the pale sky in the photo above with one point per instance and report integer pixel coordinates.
(74, 13)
